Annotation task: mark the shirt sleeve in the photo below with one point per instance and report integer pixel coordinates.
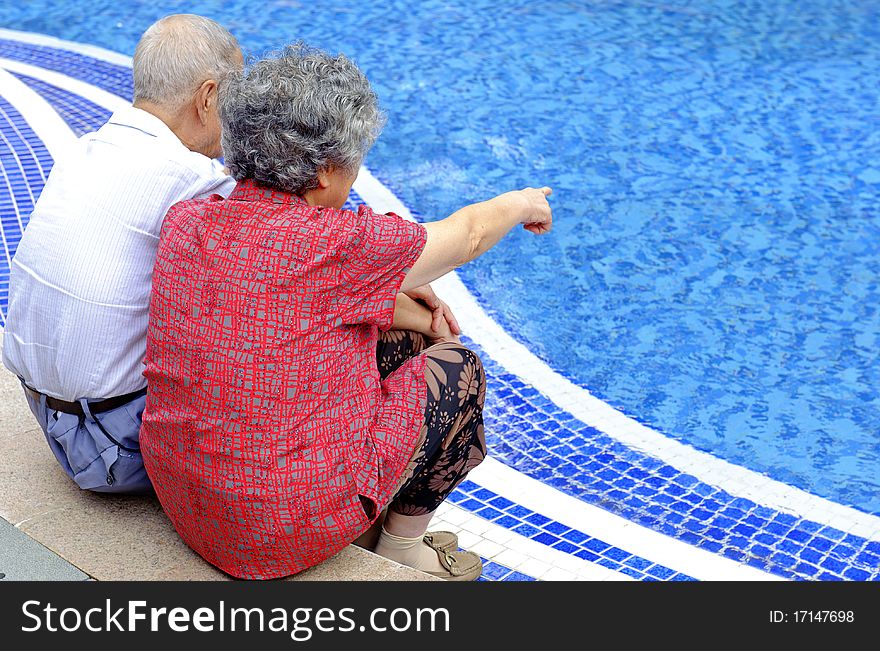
(380, 250)
(214, 180)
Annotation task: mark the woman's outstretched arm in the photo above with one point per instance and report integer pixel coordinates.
(470, 232)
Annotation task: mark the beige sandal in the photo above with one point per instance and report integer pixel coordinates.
(459, 566)
(441, 541)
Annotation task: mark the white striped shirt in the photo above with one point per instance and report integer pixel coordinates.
(79, 287)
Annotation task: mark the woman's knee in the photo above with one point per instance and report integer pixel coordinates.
(473, 377)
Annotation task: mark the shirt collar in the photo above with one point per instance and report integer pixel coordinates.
(135, 118)
(250, 190)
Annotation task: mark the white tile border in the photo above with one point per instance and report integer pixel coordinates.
(81, 48)
(38, 113)
(612, 529)
(519, 553)
(88, 91)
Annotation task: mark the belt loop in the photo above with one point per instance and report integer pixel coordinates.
(84, 403)
(108, 454)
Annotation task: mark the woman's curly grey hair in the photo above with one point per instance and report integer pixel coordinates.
(295, 113)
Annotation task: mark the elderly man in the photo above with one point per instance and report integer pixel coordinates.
(80, 280)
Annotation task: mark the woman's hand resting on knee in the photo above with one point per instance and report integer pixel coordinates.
(414, 315)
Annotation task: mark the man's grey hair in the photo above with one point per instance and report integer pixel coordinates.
(295, 113)
(177, 54)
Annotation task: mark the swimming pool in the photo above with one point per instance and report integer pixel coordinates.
(713, 266)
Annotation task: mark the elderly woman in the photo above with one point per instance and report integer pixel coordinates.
(296, 390)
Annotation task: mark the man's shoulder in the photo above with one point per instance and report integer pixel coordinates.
(135, 141)
(196, 206)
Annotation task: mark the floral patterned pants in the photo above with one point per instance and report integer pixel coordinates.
(451, 441)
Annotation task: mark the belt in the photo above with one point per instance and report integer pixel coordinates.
(96, 407)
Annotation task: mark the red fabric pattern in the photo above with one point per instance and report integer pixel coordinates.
(266, 417)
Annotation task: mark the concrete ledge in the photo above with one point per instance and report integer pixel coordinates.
(115, 538)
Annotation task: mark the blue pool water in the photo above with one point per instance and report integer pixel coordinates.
(714, 267)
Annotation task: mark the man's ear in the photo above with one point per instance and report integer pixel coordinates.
(205, 98)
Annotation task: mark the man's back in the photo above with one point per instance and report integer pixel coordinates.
(79, 286)
(80, 280)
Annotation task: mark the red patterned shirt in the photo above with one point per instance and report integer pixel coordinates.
(266, 418)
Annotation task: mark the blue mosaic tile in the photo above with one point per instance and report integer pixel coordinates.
(810, 555)
(586, 555)
(494, 571)
(803, 569)
(483, 494)
(667, 471)
(660, 572)
(833, 565)
(518, 576)
(868, 560)
(809, 527)
(565, 546)
(22, 179)
(789, 546)
(842, 551)
(777, 529)
(832, 533)
(798, 535)
(471, 504)
(537, 519)
(690, 538)
(710, 545)
(756, 522)
(507, 522)
(575, 536)
(784, 560)
(616, 554)
(546, 538)
(693, 498)
(556, 528)
(672, 489)
(518, 511)
(674, 518)
(596, 545)
(764, 512)
(526, 530)
(631, 572)
(827, 576)
(758, 563)
(856, 575)
(766, 539)
(694, 525)
(468, 486)
(785, 519)
(822, 544)
(489, 513)
(500, 502)
(457, 497)
(611, 565)
(637, 563)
